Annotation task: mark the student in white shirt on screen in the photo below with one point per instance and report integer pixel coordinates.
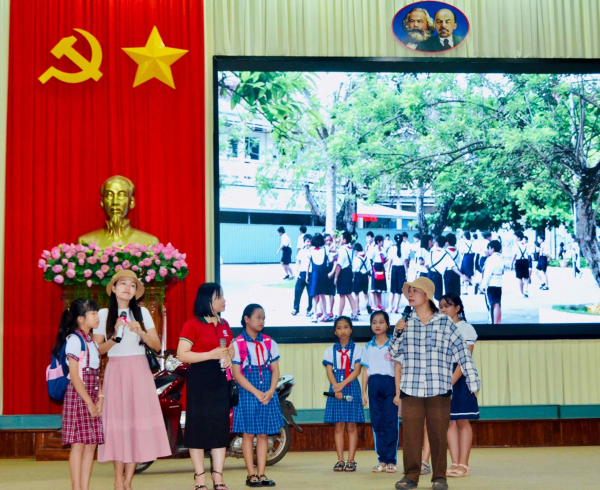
(491, 283)
(302, 262)
(343, 274)
(576, 257)
(361, 267)
(438, 261)
(533, 252)
(285, 247)
(520, 262)
(542, 265)
(467, 266)
(451, 279)
(300, 242)
(397, 266)
(387, 243)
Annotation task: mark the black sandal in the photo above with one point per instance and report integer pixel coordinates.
(339, 466)
(218, 485)
(406, 483)
(266, 482)
(253, 483)
(199, 487)
(350, 466)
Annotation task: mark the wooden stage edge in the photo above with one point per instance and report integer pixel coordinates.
(45, 444)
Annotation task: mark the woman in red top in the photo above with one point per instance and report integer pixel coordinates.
(207, 419)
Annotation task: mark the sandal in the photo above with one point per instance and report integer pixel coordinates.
(217, 486)
(425, 468)
(266, 482)
(253, 481)
(459, 472)
(199, 487)
(380, 468)
(350, 466)
(406, 483)
(339, 466)
(452, 471)
(391, 468)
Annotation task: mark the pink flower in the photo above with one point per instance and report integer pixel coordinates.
(126, 264)
(135, 268)
(157, 261)
(65, 261)
(57, 268)
(138, 254)
(119, 268)
(105, 268)
(184, 263)
(148, 278)
(163, 271)
(108, 251)
(59, 279)
(143, 248)
(55, 253)
(115, 259)
(46, 254)
(79, 248)
(120, 244)
(151, 273)
(69, 254)
(81, 255)
(42, 264)
(173, 271)
(71, 273)
(168, 256)
(89, 283)
(177, 264)
(147, 262)
(92, 260)
(71, 265)
(183, 256)
(87, 273)
(103, 259)
(81, 261)
(100, 274)
(93, 246)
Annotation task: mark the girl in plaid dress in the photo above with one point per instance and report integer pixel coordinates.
(342, 361)
(256, 369)
(81, 421)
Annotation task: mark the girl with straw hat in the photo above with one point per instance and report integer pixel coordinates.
(133, 424)
(425, 345)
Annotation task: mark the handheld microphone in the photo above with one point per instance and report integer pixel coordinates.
(223, 345)
(345, 398)
(119, 336)
(406, 313)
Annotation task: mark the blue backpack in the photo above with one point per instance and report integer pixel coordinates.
(57, 373)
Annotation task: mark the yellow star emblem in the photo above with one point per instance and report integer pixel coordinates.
(154, 60)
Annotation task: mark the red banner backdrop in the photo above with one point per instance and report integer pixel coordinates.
(65, 139)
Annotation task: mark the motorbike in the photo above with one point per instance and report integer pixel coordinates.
(170, 381)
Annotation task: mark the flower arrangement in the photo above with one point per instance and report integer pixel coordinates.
(90, 264)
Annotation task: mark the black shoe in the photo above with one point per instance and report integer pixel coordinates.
(266, 482)
(369, 309)
(253, 481)
(295, 312)
(440, 484)
(476, 288)
(542, 286)
(286, 277)
(406, 483)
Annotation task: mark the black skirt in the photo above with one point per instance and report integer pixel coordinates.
(522, 268)
(344, 281)
(398, 279)
(451, 282)
(286, 255)
(207, 416)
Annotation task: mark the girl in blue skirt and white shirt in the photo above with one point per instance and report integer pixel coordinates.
(464, 405)
(382, 383)
(342, 361)
(256, 369)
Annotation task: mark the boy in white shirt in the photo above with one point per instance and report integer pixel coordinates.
(542, 265)
(302, 262)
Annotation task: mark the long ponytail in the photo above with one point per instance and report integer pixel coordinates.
(68, 321)
(398, 240)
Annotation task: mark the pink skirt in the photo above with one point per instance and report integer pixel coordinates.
(134, 429)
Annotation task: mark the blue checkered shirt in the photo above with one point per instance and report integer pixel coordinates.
(426, 353)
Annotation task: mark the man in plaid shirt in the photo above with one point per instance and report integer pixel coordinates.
(426, 346)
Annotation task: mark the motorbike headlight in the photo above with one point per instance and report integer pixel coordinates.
(172, 363)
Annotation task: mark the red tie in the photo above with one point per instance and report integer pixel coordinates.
(345, 361)
(260, 350)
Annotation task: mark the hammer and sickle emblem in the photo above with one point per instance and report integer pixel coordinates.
(89, 69)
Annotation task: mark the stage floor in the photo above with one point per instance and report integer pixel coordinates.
(519, 469)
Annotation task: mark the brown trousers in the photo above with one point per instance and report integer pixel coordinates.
(415, 411)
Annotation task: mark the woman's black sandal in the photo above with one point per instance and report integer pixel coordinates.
(340, 465)
(199, 487)
(266, 482)
(350, 466)
(218, 485)
(253, 481)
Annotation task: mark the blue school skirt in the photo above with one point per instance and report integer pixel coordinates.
(340, 410)
(464, 403)
(250, 416)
